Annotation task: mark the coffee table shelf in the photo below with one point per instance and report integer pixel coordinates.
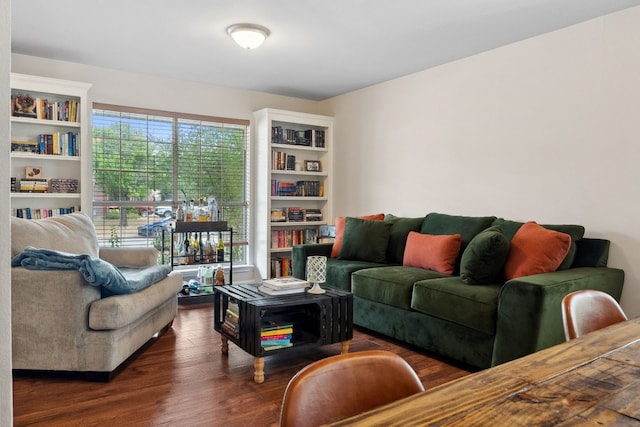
(317, 319)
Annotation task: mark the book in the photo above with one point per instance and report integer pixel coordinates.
(272, 326)
(276, 332)
(285, 283)
(270, 291)
(276, 337)
(276, 347)
(269, 343)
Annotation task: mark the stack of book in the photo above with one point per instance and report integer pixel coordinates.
(34, 185)
(274, 335)
(231, 320)
(312, 215)
(283, 286)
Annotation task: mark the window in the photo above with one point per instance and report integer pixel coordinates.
(146, 162)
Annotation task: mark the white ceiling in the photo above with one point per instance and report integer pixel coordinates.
(317, 49)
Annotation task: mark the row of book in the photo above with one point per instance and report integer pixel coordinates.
(295, 214)
(231, 323)
(282, 161)
(58, 143)
(24, 105)
(307, 138)
(37, 213)
(289, 238)
(297, 189)
(276, 335)
(281, 267)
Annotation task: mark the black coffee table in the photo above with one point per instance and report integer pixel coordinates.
(317, 319)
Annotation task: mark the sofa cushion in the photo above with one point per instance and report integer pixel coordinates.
(117, 311)
(484, 257)
(466, 226)
(390, 285)
(339, 272)
(575, 231)
(400, 228)
(73, 233)
(438, 253)
(474, 306)
(365, 240)
(534, 250)
(340, 221)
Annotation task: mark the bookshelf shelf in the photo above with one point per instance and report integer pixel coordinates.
(288, 146)
(59, 128)
(42, 122)
(45, 157)
(297, 224)
(298, 173)
(46, 195)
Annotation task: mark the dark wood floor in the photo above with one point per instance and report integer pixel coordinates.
(182, 379)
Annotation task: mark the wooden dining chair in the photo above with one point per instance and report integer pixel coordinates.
(587, 311)
(341, 386)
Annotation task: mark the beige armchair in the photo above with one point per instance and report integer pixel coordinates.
(61, 323)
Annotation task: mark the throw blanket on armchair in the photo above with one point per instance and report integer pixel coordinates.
(95, 271)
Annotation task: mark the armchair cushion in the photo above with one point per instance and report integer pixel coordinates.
(121, 310)
(73, 233)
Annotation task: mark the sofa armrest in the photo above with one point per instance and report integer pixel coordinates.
(129, 257)
(49, 317)
(300, 253)
(530, 308)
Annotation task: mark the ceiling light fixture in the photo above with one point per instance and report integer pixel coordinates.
(248, 36)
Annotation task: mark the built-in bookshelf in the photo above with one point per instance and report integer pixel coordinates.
(50, 147)
(293, 194)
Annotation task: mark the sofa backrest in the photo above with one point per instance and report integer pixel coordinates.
(73, 233)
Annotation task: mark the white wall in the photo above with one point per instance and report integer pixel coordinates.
(6, 385)
(547, 129)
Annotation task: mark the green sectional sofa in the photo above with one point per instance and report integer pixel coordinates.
(476, 315)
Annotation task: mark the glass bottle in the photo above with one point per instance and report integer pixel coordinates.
(202, 210)
(208, 249)
(188, 214)
(184, 253)
(213, 210)
(220, 249)
(180, 212)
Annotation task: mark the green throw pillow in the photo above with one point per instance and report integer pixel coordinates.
(365, 240)
(484, 257)
(400, 228)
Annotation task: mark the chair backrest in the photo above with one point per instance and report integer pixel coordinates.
(587, 311)
(341, 386)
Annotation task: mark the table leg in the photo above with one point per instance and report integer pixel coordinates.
(345, 347)
(224, 344)
(258, 366)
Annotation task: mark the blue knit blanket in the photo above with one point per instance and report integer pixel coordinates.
(95, 271)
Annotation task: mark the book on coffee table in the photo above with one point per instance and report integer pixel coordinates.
(271, 291)
(281, 283)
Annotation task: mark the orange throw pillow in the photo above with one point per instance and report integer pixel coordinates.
(340, 221)
(534, 250)
(434, 252)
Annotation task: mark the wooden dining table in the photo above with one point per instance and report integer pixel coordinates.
(592, 380)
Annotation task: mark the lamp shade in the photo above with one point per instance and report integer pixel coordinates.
(248, 36)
